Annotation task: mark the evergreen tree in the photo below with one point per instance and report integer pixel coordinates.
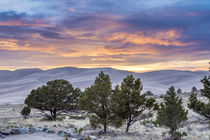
(56, 97)
(26, 111)
(127, 102)
(206, 90)
(194, 90)
(179, 91)
(97, 101)
(198, 106)
(172, 114)
(149, 93)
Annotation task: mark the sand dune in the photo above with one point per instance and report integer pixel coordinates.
(16, 85)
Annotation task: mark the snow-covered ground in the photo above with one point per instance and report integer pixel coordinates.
(196, 127)
(16, 85)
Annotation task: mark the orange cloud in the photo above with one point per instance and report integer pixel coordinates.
(165, 38)
(12, 45)
(92, 51)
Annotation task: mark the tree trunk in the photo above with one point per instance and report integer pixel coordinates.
(105, 127)
(128, 124)
(54, 114)
(172, 133)
(127, 128)
(105, 117)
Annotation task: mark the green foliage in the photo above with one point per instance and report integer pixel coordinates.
(26, 111)
(179, 135)
(149, 121)
(88, 138)
(127, 102)
(198, 106)
(145, 116)
(56, 97)
(97, 101)
(29, 125)
(171, 113)
(66, 138)
(78, 131)
(206, 90)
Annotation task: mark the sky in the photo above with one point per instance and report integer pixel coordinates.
(134, 35)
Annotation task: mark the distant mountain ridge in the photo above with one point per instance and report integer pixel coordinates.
(16, 85)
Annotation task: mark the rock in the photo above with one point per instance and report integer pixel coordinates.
(6, 133)
(2, 136)
(24, 130)
(50, 131)
(82, 137)
(15, 131)
(72, 134)
(101, 132)
(44, 129)
(93, 137)
(34, 130)
(62, 133)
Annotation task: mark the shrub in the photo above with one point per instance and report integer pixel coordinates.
(78, 131)
(26, 111)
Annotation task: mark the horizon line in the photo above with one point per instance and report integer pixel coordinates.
(45, 69)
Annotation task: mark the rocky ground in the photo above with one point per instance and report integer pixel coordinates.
(34, 136)
(196, 127)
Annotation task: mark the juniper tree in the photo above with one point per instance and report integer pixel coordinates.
(171, 113)
(26, 111)
(202, 108)
(56, 97)
(97, 101)
(127, 102)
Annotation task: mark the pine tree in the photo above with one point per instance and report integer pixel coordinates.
(97, 101)
(56, 97)
(198, 106)
(127, 102)
(172, 114)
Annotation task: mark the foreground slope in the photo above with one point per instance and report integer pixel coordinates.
(16, 85)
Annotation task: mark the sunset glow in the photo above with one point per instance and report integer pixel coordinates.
(127, 35)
